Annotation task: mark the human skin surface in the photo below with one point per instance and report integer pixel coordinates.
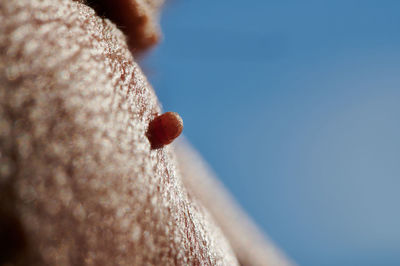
(79, 181)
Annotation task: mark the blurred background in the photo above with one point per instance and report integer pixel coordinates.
(296, 106)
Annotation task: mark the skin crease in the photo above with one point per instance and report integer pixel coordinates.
(79, 182)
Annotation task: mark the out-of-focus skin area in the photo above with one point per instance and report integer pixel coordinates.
(79, 182)
(138, 19)
(248, 243)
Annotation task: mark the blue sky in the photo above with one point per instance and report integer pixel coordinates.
(295, 105)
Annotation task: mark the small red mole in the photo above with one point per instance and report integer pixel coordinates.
(163, 129)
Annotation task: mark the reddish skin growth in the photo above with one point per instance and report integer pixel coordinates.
(163, 129)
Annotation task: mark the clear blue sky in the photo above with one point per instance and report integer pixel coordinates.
(296, 106)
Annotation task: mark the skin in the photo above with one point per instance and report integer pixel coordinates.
(79, 181)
